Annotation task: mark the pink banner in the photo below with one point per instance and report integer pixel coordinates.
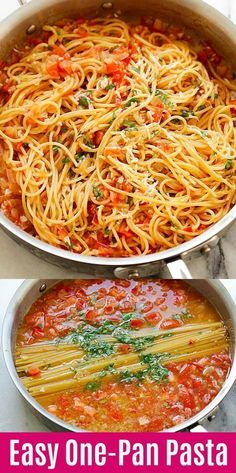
(113, 452)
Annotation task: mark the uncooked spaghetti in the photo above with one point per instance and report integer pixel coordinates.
(116, 139)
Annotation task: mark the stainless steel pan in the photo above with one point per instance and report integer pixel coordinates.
(30, 290)
(199, 18)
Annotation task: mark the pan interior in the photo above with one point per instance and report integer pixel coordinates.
(214, 291)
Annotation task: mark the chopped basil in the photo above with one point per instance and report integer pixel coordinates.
(130, 101)
(80, 156)
(127, 376)
(155, 370)
(107, 231)
(84, 102)
(135, 69)
(110, 86)
(71, 173)
(92, 386)
(69, 245)
(129, 124)
(108, 369)
(182, 315)
(89, 143)
(201, 107)
(164, 98)
(98, 194)
(138, 343)
(113, 48)
(187, 113)
(113, 118)
(65, 160)
(55, 149)
(229, 164)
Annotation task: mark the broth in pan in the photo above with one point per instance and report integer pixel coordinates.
(122, 355)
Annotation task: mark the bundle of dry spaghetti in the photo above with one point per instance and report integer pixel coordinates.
(116, 140)
(65, 366)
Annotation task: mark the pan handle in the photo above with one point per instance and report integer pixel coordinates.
(198, 429)
(178, 269)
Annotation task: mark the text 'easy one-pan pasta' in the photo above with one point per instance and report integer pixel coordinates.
(116, 139)
(122, 355)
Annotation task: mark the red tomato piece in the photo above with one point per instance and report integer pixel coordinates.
(170, 323)
(152, 318)
(97, 137)
(91, 315)
(38, 333)
(33, 371)
(124, 347)
(137, 323)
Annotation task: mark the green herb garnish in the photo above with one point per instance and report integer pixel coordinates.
(130, 101)
(80, 156)
(164, 98)
(129, 124)
(201, 107)
(136, 69)
(182, 315)
(229, 164)
(98, 194)
(84, 102)
(65, 160)
(92, 386)
(110, 86)
(187, 113)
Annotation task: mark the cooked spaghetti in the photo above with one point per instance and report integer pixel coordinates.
(116, 139)
(122, 355)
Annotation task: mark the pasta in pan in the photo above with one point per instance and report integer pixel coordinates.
(116, 139)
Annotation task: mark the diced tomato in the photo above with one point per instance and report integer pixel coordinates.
(33, 371)
(37, 333)
(125, 230)
(62, 232)
(147, 306)
(152, 318)
(82, 33)
(135, 290)
(109, 309)
(58, 50)
(17, 146)
(170, 323)
(116, 413)
(53, 70)
(233, 107)
(137, 323)
(97, 137)
(186, 397)
(124, 347)
(188, 229)
(116, 70)
(65, 66)
(91, 315)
